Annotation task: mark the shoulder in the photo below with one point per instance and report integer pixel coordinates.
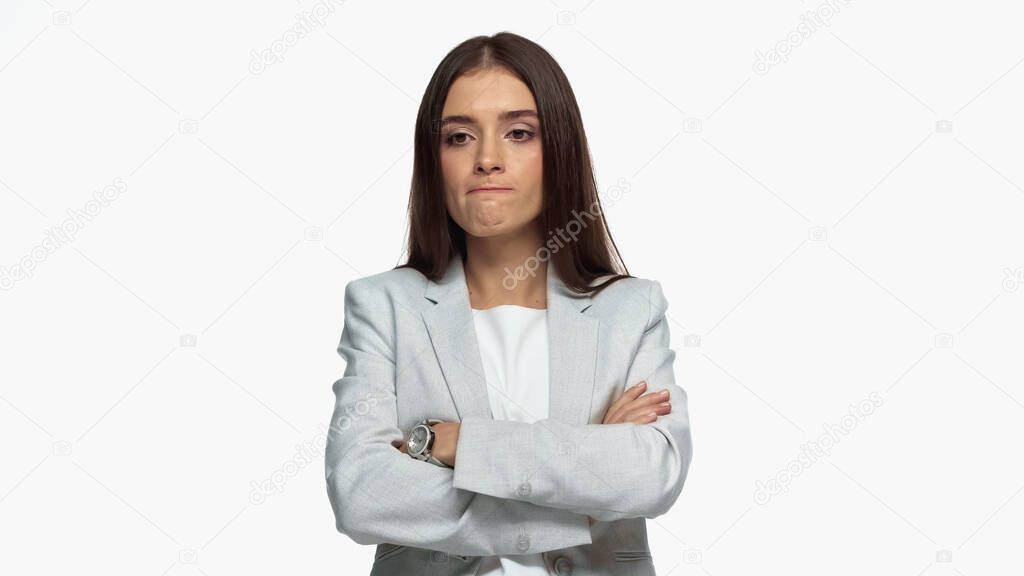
(631, 299)
(403, 286)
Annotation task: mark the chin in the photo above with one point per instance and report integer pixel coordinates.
(489, 231)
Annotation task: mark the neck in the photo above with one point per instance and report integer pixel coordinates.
(506, 270)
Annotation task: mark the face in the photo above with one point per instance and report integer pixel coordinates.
(490, 137)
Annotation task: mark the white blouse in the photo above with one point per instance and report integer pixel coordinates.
(513, 342)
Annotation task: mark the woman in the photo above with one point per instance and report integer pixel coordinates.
(511, 332)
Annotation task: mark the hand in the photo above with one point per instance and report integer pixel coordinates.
(446, 440)
(631, 407)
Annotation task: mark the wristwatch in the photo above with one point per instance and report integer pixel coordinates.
(420, 441)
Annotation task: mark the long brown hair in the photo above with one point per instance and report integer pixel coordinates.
(569, 186)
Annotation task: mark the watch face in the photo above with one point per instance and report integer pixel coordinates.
(418, 440)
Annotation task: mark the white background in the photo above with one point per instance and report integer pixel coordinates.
(842, 223)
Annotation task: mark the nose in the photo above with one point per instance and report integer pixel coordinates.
(488, 159)
(489, 169)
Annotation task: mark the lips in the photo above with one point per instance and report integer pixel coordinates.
(490, 189)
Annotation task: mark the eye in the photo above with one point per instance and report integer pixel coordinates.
(450, 140)
(528, 134)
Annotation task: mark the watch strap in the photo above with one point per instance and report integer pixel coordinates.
(430, 457)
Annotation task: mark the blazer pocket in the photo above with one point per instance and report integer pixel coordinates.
(632, 555)
(385, 551)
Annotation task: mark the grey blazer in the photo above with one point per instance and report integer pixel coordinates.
(517, 488)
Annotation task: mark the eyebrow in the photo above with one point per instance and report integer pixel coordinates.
(504, 116)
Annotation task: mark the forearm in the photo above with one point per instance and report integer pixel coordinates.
(608, 471)
(380, 497)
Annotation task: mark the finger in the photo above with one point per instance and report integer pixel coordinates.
(642, 412)
(646, 418)
(627, 406)
(627, 396)
(645, 401)
(649, 399)
(639, 407)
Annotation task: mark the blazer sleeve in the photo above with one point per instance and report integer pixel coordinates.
(380, 494)
(608, 471)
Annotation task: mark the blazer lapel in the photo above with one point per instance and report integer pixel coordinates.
(453, 336)
(572, 347)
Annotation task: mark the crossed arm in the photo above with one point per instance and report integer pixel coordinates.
(608, 471)
(542, 478)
